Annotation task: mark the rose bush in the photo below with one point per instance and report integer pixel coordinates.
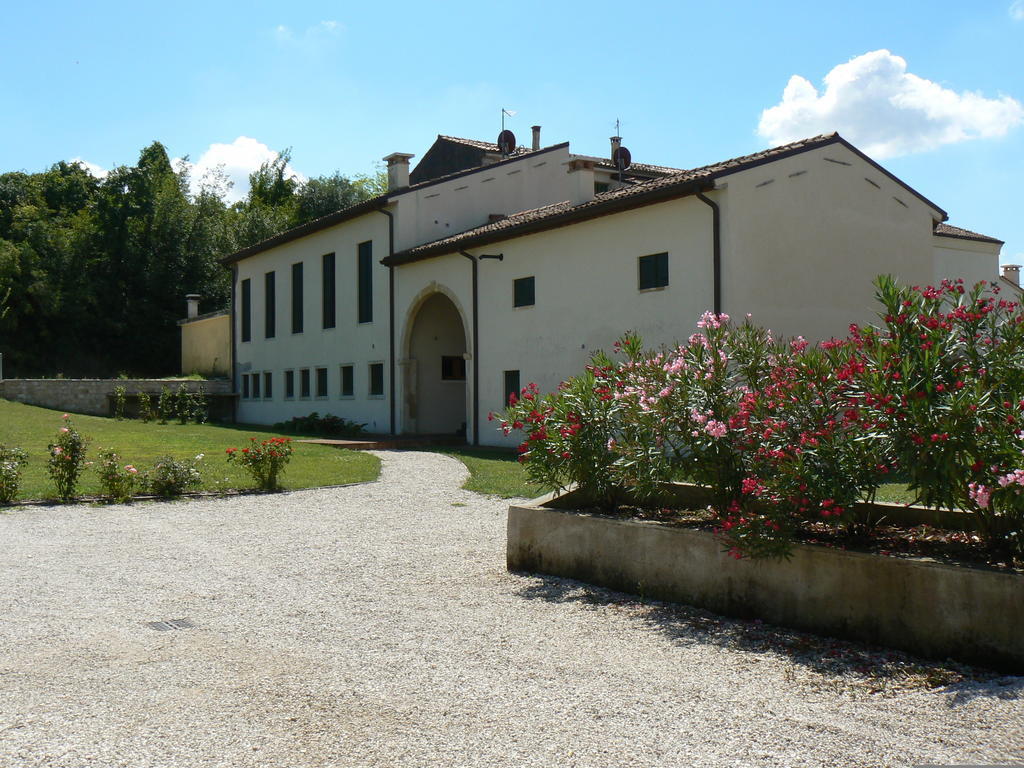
(265, 460)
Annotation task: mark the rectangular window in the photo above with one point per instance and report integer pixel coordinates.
(256, 386)
(328, 289)
(601, 186)
(522, 292)
(268, 385)
(304, 383)
(453, 368)
(366, 282)
(511, 384)
(321, 382)
(653, 271)
(270, 305)
(347, 383)
(297, 298)
(289, 385)
(246, 310)
(245, 386)
(376, 379)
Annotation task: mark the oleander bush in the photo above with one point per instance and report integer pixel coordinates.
(785, 434)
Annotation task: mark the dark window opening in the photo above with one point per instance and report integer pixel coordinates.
(601, 186)
(347, 388)
(328, 289)
(365, 270)
(256, 386)
(268, 385)
(653, 271)
(270, 305)
(304, 382)
(246, 310)
(453, 368)
(523, 292)
(511, 384)
(321, 382)
(289, 384)
(297, 298)
(376, 379)
(245, 386)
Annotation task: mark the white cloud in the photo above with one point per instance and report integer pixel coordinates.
(1017, 10)
(231, 163)
(315, 34)
(886, 111)
(92, 168)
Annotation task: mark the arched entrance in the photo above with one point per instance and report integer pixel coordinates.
(435, 369)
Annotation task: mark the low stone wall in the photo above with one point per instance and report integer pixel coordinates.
(928, 608)
(92, 396)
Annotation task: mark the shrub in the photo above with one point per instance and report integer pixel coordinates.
(172, 477)
(118, 481)
(265, 460)
(146, 407)
(11, 462)
(165, 405)
(326, 425)
(120, 399)
(569, 433)
(183, 404)
(67, 460)
(199, 406)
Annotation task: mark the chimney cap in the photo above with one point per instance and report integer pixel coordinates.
(397, 157)
(193, 296)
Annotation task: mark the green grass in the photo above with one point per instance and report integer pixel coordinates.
(32, 429)
(495, 471)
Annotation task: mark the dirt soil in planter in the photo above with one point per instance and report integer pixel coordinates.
(939, 544)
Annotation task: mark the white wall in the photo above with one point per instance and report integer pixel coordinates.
(349, 342)
(804, 237)
(970, 260)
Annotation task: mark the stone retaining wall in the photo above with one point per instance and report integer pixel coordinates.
(92, 396)
(925, 607)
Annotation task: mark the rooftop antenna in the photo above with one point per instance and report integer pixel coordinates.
(506, 139)
(620, 155)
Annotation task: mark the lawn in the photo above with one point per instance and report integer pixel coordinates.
(32, 429)
(495, 471)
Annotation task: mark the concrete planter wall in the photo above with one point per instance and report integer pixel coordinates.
(932, 609)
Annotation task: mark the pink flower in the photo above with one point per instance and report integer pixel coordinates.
(979, 494)
(65, 416)
(130, 468)
(64, 430)
(716, 428)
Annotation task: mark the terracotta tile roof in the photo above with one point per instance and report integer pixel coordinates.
(948, 230)
(677, 184)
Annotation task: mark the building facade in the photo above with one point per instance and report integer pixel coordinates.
(419, 310)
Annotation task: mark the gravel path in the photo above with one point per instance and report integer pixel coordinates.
(376, 625)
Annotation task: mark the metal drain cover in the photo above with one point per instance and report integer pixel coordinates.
(169, 624)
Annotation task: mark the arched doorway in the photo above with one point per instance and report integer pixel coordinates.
(435, 370)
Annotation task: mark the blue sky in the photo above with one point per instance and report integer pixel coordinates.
(933, 90)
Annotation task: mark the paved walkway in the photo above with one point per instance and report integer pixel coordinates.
(376, 625)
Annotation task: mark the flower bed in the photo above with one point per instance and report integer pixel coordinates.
(971, 613)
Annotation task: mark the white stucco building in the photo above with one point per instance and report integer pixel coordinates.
(418, 310)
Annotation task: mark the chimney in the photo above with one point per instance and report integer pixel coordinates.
(581, 180)
(616, 143)
(536, 137)
(192, 302)
(398, 170)
(1012, 273)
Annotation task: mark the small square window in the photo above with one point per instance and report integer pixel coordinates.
(289, 385)
(347, 383)
(304, 383)
(453, 368)
(245, 386)
(321, 382)
(256, 386)
(376, 379)
(522, 292)
(268, 385)
(653, 271)
(601, 186)
(511, 385)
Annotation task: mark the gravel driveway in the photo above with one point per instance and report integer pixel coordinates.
(376, 625)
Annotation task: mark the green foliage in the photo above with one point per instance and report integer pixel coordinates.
(165, 405)
(327, 425)
(117, 481)
(120, 399)
(67, 460)
(183, 406)
(146, 407)
(11, 462)
(265, 460)
(170, 477)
